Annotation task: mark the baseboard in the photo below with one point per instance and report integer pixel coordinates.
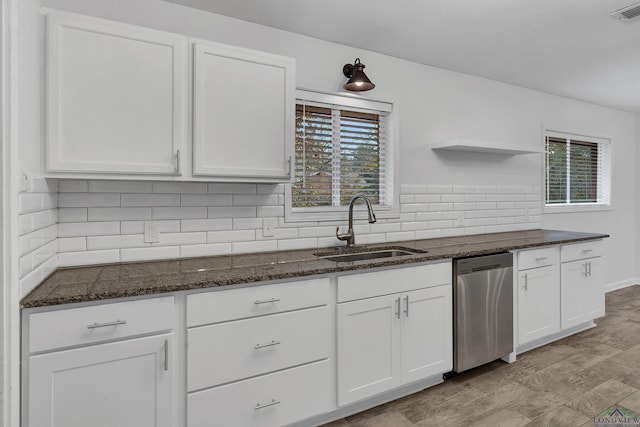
(622, 284)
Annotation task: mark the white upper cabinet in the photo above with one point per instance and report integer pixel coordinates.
(117, 97)
(243, 113)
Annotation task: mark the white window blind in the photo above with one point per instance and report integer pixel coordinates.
(340, 151)
(577, 170)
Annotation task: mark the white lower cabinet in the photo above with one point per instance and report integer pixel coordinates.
(127, 383)
(559, 288)
(389, 340)
(267, 362)
(582, 284)
(271, 400)
(102, 373)
(538, 303)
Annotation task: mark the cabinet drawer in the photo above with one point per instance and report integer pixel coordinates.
(77, 326)
(384, 282)
(537, 258)
(225, 305)
(581, 250)
(274, 400)
(231, 351)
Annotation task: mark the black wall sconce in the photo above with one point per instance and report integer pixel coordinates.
(358, 80)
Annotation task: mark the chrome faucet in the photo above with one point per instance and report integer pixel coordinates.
(350, 236)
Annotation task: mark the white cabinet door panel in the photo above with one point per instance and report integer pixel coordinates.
(117, 97)
(427, 334)
(118, 384)
(368, 347)
(243, 112)
(538, 303)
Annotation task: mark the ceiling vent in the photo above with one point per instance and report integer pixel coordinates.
(627, 13)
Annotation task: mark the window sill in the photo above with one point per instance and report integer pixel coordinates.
(339, 214)
(562, 209)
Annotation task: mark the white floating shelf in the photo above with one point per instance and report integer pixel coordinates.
(486, 147)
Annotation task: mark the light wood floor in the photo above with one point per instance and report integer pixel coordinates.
(565, 383)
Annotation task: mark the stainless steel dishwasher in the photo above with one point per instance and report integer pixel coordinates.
(482, 310)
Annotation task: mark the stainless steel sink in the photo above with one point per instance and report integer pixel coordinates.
(370, 254)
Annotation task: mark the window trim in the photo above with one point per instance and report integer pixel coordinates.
(356, 101)
(608, 174)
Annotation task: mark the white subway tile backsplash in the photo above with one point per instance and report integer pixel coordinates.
(179, 187)
(230, 236)
(88, 257)
(255, 199)
(179, 213)
(205, 200)
(30, 202)
(77, 229)
(137, 227)
(176, 239)
(92, 222)
(72, 244)
(247, 223)
(206, 224)
(118, 214)
(72, 214)
(287, 245)
(115, 242)
(150, 199)
(146, 254)
(73, 186)
(233, 188)
(120, 187)
(257, 246)
(270, 211)
(88, 200)
(205, 250)
(232, 212)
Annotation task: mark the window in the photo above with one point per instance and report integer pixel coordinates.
(577, 170)
(343, 147)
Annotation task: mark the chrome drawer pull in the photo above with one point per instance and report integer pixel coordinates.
(106, 324)
(266, 301)
(166, 355)
(542, 258)
(269, 344)
(587, 250)
(266, 405)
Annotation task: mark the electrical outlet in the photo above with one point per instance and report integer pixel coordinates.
(458, 221)
(269, 226)
(151, 232)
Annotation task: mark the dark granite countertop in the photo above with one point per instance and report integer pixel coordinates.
(100, 282)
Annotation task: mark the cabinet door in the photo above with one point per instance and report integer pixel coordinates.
(368, 347)
(582, 291)
(243, 113)
(427, 347)
(116, 97)
(126, 383)
(538, 303)
(574, 293)
(595, 296)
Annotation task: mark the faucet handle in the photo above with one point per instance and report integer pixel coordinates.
(344, 236)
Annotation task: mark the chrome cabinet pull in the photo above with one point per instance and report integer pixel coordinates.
(266, 301)
(178, 173)
(266, 405)
(542, 258)
(289, 166)
(106, 324)
(269, 344)
(585, 273)
(398, 307)
(589, 268)
(526, 282)
(587, 250)
(166, 355)
(406, 306)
